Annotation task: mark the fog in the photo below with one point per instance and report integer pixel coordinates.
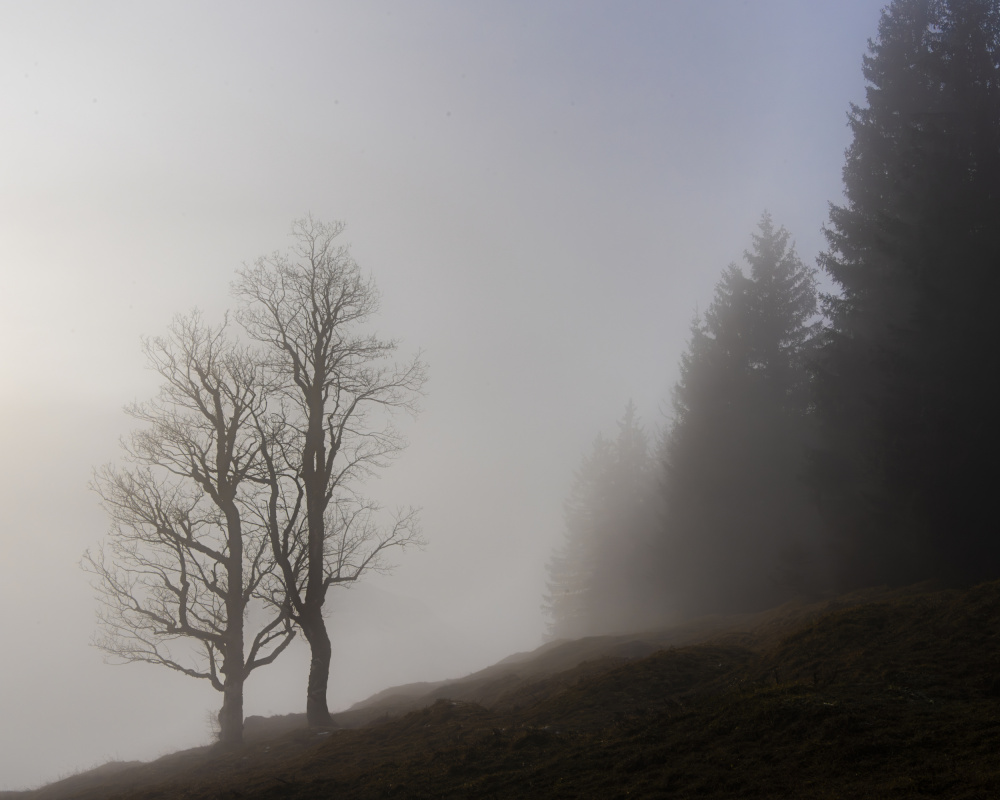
(544, 193)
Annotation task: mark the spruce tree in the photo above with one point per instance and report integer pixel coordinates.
(597, 577)
(909, 371)
(740, 530)
(572, 566)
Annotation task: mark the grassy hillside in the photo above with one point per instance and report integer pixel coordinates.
(875, 695)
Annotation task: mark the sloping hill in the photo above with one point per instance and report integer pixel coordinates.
(488, 685)
(875, 695)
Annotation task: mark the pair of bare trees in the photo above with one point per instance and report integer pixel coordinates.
(239, 499)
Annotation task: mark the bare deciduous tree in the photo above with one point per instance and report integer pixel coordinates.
(184, 560)
(339, 387)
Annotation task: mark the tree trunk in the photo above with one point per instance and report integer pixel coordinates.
(231, 715)
(233, 664)
(316, 478)
(233, 670)
(317, 710)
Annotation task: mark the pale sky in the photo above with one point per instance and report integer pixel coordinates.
(545, 192)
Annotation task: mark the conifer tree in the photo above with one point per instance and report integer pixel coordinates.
(573, 564)
(740, 529)
(909, 371)
(596, 577)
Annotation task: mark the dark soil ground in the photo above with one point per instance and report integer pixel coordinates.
(875, 695)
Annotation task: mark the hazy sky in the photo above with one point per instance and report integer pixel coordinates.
(544, 191)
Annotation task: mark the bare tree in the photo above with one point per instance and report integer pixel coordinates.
(184, 561)
(340, 387)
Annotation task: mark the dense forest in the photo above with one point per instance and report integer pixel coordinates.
(822, 442)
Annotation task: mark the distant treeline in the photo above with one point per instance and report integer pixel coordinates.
(824, 442)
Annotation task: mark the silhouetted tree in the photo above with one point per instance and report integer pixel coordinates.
(331, 429)
(182, 562)
(597, 576)
(740, 531)
(910, 368)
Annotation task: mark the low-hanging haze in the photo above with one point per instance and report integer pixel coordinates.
(544, 193)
